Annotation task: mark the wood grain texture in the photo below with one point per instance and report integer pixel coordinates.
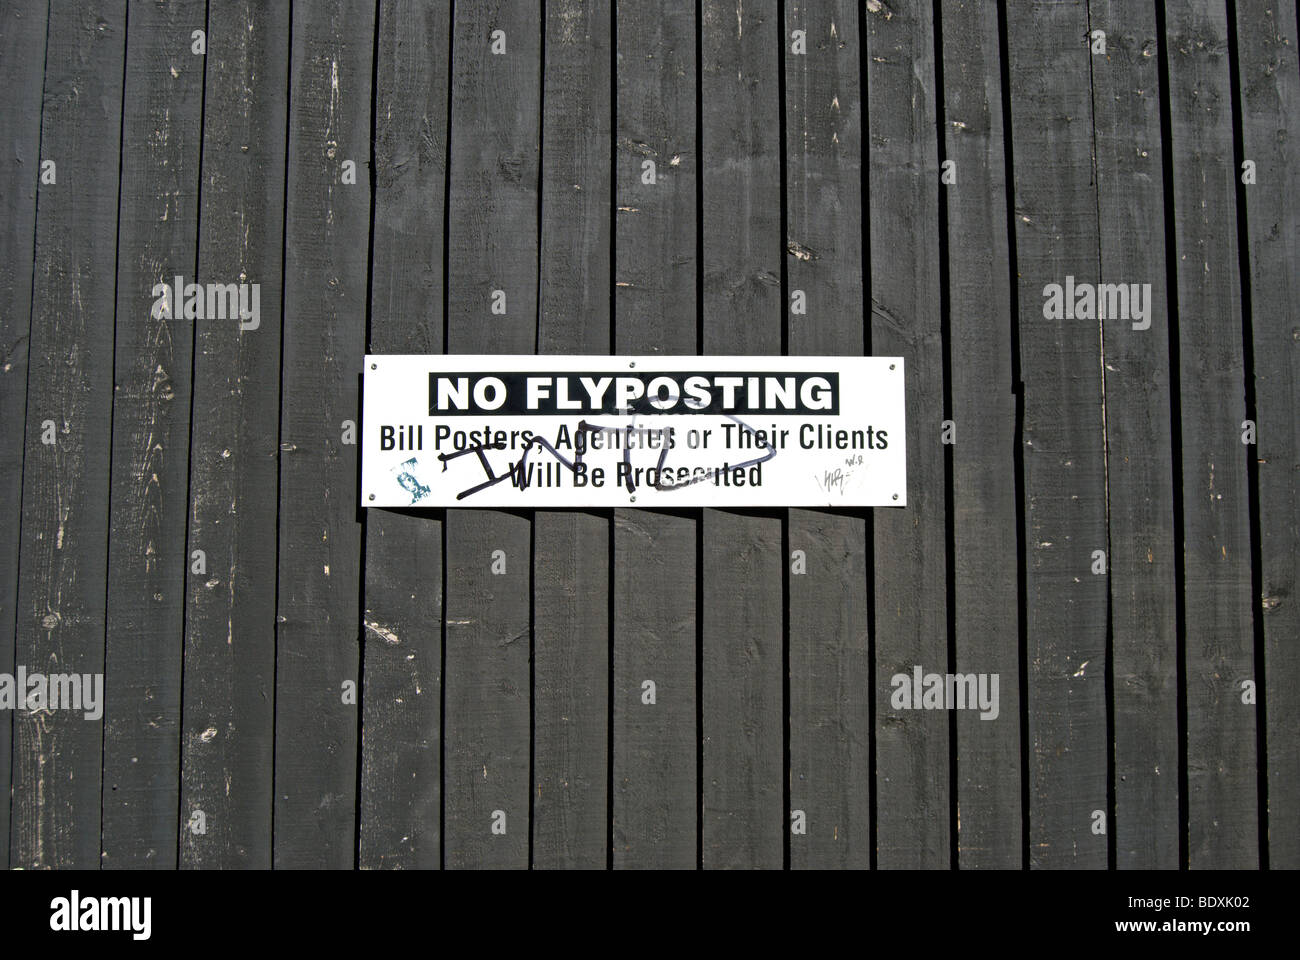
(654, 805)
(829, 653)
(1270, 102)
(401, 745)
(1141, 551)
(910, 577)
(571, 550)
(742, 657)
(493, 245)
(401, 771)
(327, 222)
(228, 691)
(22, 76)
(571, 709)
(149, 496)
(651, 178)
(985, 561)
(1219, 652)
(1064, 479)
(485, 778)
(655, 235)
(412, 99)
(57, 769)
(742, 700)
(577, 126)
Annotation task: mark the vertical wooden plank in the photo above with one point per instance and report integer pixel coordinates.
(401, 772)
(22, 66)
(655, 746)
(495, 117)
(157, 239)
(1135, 373)
(571, 591)
(327, 222)
(228, 690)
(911, 596)
(985, 562)
(1270, 104)
(57, 771)
(571, 550)
(401, 784)
(411, 104)
(742, 701)
(576, 177)
(1064, 478)
(830, 666)
(1219, 651)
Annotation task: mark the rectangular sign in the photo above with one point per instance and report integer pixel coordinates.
(650, 431)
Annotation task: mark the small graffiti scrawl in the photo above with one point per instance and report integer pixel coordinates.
(405, 473)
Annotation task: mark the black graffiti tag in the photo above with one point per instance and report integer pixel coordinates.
(515, 472)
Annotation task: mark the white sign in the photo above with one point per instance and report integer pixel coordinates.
(651, 431)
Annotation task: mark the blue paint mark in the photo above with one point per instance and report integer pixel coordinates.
(410, 483)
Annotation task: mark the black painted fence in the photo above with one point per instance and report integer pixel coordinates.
(292, 681)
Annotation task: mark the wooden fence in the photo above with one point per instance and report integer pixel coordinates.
(293, 681)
